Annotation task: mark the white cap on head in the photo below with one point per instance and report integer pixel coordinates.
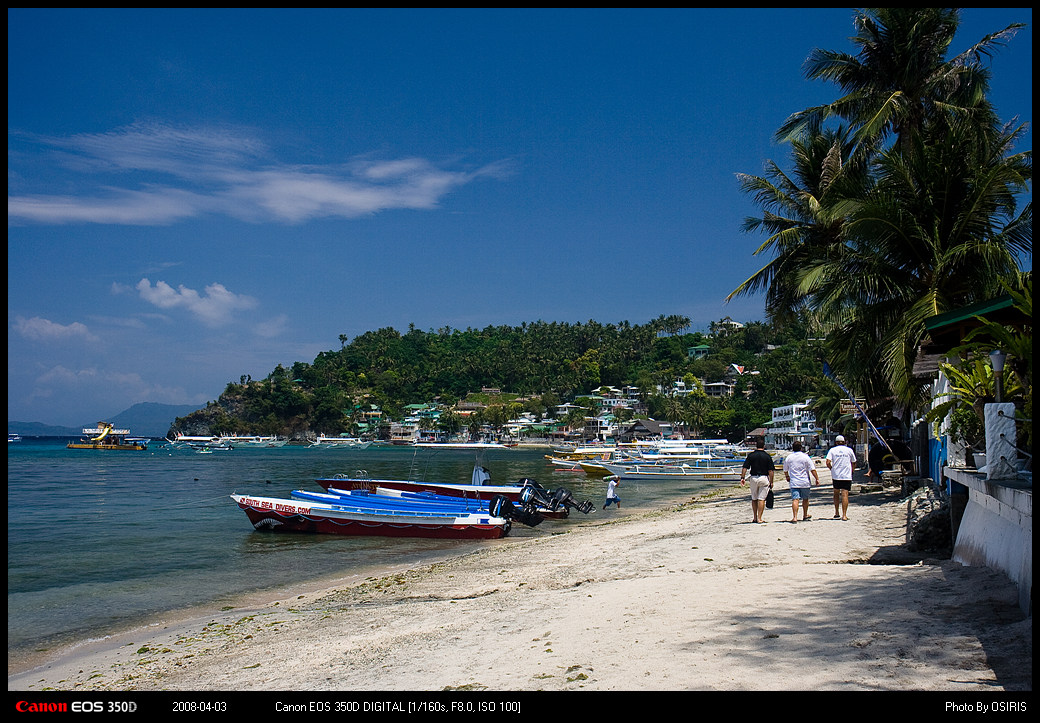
(839, 438)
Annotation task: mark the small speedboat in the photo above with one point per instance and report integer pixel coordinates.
(352, 517)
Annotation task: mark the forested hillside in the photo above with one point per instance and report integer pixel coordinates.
(545, 362)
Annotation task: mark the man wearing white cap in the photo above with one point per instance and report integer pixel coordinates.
(841, 461)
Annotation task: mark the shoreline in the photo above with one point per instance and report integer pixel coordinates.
(693, 597)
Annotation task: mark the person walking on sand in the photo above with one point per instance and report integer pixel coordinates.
(797, 469)
(613, 482)
(758, 469)
(841, 461)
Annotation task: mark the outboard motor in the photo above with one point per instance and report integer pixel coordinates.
(499, 506)
(534, 494)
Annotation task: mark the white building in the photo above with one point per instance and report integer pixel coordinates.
(792, 423)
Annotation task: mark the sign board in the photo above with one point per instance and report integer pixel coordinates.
(847, 407)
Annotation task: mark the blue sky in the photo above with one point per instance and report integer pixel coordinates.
(194, 195)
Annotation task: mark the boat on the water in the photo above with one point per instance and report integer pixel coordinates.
(666, 472)
(106, 437)
(380, 518)
(513, 493)
(340, 442)
(253, 441)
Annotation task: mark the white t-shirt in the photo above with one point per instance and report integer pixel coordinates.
(798, 467)
(611, 485)
(842, 460)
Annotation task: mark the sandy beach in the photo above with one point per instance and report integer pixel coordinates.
(692, 598)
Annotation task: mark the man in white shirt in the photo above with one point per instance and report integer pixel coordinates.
(841, 461)
(798, 467)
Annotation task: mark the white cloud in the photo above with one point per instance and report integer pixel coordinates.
(272, 327)
(38, 329)
(195, 171)
(215, 307)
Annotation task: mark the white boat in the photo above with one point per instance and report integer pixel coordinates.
(253, 441)
(340, 442)
(665, 472)
(460, 445)
(185, 440)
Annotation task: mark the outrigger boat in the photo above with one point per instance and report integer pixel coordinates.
(107, 437)
(666, 472)
(253, 441)
(340, 442)
(342, 517)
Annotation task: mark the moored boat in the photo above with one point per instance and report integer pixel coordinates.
(306, 516)
(666, 472)
(106, 437)
(253, 441)
(340, 442)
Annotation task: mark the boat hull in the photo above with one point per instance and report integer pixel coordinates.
(107, 447)
(473, 492)
(666, 473)
(274, 515)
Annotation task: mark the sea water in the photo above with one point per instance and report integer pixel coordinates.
(99, 541)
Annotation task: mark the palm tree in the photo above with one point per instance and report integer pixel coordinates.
(901, 80)
(874, 239)
(940, 229)
(803, 215)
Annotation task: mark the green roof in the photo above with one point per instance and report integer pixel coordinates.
(964, 313)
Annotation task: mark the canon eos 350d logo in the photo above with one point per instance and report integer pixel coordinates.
(75, 706)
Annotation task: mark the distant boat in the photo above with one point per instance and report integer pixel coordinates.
(13, 437)
(340, 442)
(107, 437)
(184, 440)
(461, 445)
(253, 441)
(669, 472)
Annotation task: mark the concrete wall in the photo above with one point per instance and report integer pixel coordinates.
(997, 528)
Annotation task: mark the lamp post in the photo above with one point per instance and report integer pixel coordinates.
(996, 358)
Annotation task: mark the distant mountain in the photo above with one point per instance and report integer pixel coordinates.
(147, 419)
(37, 429)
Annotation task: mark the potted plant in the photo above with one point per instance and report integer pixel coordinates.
(963, 406)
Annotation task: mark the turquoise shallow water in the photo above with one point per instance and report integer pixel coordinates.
(98, 541)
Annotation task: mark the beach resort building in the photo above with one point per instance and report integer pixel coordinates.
(792, 423)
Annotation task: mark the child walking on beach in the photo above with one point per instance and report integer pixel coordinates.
(613, 482)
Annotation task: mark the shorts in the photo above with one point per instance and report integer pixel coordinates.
(799, 493)
(842, 484)
(759, 486)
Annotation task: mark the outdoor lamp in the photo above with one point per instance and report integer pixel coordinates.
(996, 358)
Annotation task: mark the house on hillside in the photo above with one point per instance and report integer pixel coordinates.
(698, 352)
(644, 429)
